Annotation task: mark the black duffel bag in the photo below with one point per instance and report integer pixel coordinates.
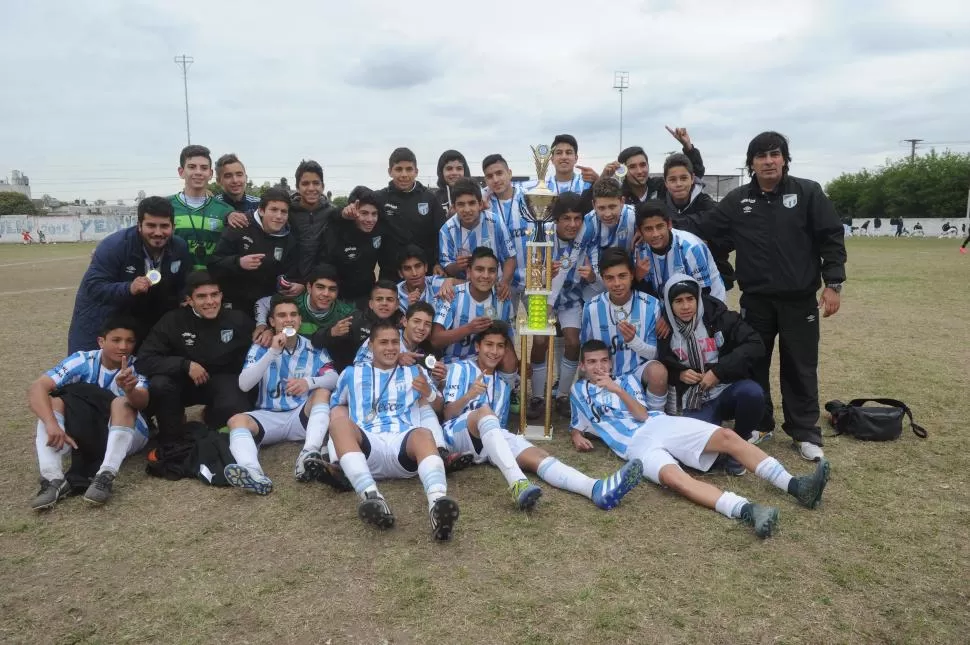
(872, 423)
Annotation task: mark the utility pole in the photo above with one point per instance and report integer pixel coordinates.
(912, 147)
(185, 62)
(621, 81)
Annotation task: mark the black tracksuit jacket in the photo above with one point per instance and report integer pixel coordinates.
(219, 345)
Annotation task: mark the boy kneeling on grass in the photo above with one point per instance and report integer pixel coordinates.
(105, 425)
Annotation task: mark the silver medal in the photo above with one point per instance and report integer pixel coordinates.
(620, 314)
(289, 332)
(490, 311)
(154, 276)
(565, 263)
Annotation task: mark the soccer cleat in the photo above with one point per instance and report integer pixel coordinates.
(732, 466)
(305, 472)
(99, 491)
(757, 437)
(763, 519)
(536, 408)
(241, 477)
(455, 461)
(563, 408)
(444, 514)
(808, 488)
(808, 451)
(372, 509)
(325, 472)
(50, 492)
(514, 402)
(525, 494)
(608, 492)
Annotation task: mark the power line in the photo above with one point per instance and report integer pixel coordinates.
(185, 62)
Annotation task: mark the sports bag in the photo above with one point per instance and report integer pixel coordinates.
(872, 423)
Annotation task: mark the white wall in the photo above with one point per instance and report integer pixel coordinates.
(931, 227)
(63, 228)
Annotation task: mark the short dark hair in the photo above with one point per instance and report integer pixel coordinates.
(274, 194)
(401, 155)
(324, 272)
(615, 256)
(482, 252)
(156, 207)
(651, 208)
(308, 165)
(383, 284)
(419, 307)
(119, 321)
(365, 195)
(678, 159)
(411, 251)
(225, 160)
(199, 278)
(498, 327)
(565, 138)
(567, 202)
(492, 160)
(465, 186)
(607, 188)
(279, 299)
(765, 142)
(593, 345)
(194, 151)
(385, 323)
(632, 151)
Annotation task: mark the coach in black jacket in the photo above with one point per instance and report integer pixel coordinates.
(194, 355)
(788, 239)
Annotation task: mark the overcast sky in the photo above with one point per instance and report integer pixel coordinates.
(92, 101)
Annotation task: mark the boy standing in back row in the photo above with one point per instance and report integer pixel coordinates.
(199, 217)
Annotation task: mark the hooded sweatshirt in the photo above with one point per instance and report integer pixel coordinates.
(354, 254)
(444, 192)
(241, 287)
(725, 343)
(308, 226)
(701, 204)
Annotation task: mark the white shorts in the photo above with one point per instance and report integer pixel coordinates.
(278, 427)
(638, 372)
(430, 421)
(570, 318)
(385, 451)
(663, 441)
(461, 441)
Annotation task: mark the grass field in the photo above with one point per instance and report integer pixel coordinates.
(885, 559)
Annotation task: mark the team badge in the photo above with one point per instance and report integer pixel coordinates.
(377, 242)
(213, 224)
(174, 266)
(278, 253)
(226, 335)
(423, 208)
(789, 201)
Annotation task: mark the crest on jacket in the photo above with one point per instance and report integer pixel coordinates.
(790, 200)
(226, 335)
(174, 266)
(377, 242)
(423, 208)
(278, 253)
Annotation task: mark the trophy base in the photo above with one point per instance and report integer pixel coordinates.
(543, 331)
(536, 433)
(538, 292)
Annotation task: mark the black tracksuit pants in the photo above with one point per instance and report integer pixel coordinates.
(170, 396)
(795, 322)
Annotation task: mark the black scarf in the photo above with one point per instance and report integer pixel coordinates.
(692, 398)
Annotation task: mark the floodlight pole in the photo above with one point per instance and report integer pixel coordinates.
(621, 81)
(185, 62)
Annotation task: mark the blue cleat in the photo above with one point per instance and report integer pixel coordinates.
(608, 492)
(526, 494)
(240, 477)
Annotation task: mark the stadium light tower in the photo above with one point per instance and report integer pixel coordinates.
(621, 81)
(186, 61)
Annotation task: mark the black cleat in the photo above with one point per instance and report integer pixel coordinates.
(374, 510)
(808, 488)
(444, 514)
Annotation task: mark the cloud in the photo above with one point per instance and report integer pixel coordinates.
(393, 69)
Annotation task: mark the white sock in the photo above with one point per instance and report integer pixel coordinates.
(431, 471)
(430, 421)
(497, 449)
(656, 402)
(354, 465)
(729, 505)
(567, 374)
(316, 427)
(772, 471)
(49, 461)
(242, 445)
(566, 477)
(510, 378)
(538, 380)
(671, 406)
(558, 347)
(120, 439)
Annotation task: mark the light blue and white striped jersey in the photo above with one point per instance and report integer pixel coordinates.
(600, 317)
(600, 412)
(432, 285)
(365, 355)
(462, 374)
(595, 236)
(462, 309)
(380, 400)
(86, 367)
(454, 239)
(567, 287)
(688, 254)
(304, 361)
(512, 212)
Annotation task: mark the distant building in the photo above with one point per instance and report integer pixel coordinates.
(19, 183)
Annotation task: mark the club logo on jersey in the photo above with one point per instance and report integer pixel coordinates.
(174, 266)
(278, 253)
(423, 208)
(213, 224)
(225, 335)
(188, 339)
(789, 201)
(400, 387)
(377, 242)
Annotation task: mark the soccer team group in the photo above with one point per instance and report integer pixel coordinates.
(381, 335)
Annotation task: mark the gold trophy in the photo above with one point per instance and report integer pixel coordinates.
(538, 288)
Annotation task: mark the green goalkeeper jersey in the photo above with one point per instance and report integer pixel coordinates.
(200, 227)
